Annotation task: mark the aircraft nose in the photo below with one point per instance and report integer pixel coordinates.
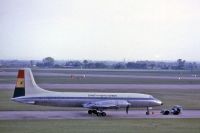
(158, 102)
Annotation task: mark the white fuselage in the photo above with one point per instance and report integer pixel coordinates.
(77, 99)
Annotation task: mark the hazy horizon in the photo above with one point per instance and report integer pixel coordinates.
(163, 30)
(123, 60)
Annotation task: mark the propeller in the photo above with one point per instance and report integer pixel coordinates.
(127, 108)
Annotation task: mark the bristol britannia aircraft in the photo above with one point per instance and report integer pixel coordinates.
(28, 92)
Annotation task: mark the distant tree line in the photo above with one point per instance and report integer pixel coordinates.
(180, 64)
(50, 62)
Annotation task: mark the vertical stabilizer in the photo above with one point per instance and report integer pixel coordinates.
(26, 85)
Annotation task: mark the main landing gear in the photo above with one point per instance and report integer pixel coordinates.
(96, 112)
(148, 111)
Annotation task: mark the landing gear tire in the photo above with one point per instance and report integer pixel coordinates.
(90, 112)
(147, 113)
(103, 113)
(98, 114)
(94, 112)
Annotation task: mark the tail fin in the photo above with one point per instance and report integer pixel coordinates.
(25, 84)
(20, 85)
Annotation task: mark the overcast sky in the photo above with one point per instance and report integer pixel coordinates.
(100, 29)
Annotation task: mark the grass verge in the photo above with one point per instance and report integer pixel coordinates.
(102, 126)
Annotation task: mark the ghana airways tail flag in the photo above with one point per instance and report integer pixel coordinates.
(20, 85)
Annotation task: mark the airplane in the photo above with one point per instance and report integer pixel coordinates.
(28, 92)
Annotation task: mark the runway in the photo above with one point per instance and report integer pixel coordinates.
(133, 114)
(191, 77)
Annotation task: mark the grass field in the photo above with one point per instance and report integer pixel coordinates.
(102, 125)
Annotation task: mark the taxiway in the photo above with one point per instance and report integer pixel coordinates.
(36, 115)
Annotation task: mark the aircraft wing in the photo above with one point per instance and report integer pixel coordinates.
(106, 104)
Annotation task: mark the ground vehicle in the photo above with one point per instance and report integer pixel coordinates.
(175, 110)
